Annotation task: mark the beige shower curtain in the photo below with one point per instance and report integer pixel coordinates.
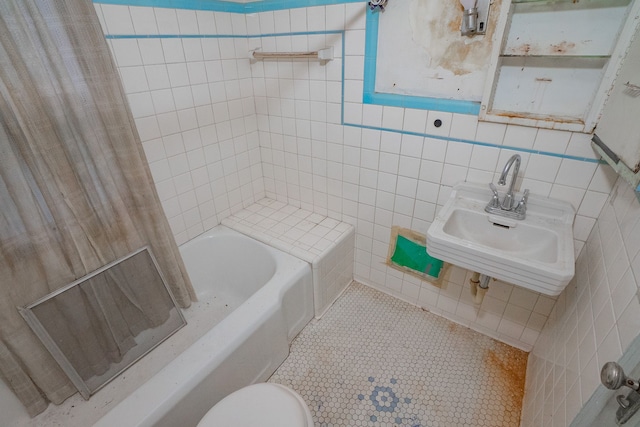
(75, 188)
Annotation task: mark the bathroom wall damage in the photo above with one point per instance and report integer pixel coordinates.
(442, 63)
(443, 43)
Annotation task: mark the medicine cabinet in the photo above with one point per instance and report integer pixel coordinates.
(554, 61)
(617, 136)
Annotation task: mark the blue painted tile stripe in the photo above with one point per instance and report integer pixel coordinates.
(218, 36)
(370, 53)
(210, 5)
(223, 36)
(271, 5)
(422, 103)
(342, 81)
(173, 36)
(300, 33)
(399, 131)
(370, 96)
(483, 144)
(228, 6)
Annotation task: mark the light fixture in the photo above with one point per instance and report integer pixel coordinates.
(475, 16)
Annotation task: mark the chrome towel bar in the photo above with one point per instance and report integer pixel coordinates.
(322, 54)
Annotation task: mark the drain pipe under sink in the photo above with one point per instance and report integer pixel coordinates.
(479, 286)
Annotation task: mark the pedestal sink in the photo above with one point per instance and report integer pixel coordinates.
(535, 253)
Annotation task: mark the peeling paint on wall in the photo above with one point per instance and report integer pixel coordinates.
(421, 51)
(436, 27)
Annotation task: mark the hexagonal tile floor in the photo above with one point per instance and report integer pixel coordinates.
(374, 360)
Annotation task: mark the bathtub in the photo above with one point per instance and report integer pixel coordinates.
(270, 298)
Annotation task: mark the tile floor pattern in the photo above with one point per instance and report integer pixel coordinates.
(374, 360)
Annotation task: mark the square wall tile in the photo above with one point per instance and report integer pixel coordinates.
(492, 133)
(167, 21)
(117, 19)
(392, 117)
(463, 126)
(553, 141)
(415, 120)
(575, 173)
(520, 136)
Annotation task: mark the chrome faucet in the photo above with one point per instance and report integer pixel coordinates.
(507, 202)
(507, 207)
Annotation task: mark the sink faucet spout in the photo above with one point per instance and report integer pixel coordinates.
(507, 202)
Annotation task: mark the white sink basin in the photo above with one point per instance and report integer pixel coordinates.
(535, 253)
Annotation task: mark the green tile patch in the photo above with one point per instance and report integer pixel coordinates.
(408, 253)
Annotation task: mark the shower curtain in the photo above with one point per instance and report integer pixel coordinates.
(75, 188)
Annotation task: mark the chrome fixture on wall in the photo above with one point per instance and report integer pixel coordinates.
(377, 4)
(475, 17)
(613, 377)
(507, 207)
(322, 55)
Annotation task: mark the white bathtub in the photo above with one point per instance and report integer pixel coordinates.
(274, 297)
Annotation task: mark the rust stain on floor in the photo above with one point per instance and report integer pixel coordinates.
(509, 367)
(373, 360)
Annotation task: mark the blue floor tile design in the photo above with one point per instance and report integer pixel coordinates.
(376, 361)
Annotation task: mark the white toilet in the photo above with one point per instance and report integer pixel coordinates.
(260, 405)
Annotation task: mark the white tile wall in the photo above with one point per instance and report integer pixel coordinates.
(274, 128)
(594, 320)
(376, 179)
(193, 102)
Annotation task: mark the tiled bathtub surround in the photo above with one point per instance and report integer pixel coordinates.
(594, 320)
(193, 103)
(323, 242)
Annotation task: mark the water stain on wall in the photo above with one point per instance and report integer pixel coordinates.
(562, 48)
(435, 26)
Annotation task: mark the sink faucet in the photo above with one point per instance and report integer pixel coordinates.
(507, 202)
(507, 207)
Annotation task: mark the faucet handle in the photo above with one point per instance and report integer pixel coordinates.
(522, 204)
(495, 200)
